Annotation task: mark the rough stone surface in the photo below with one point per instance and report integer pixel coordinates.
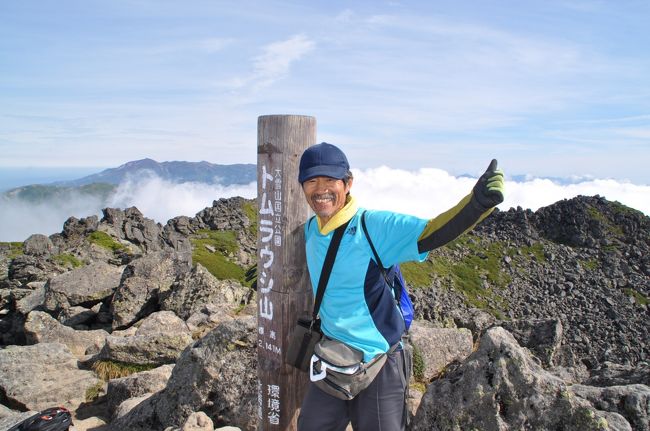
(159, 340)
(500, 387)
(14, 418)
(142, 282)
(38, 245)
(542, 336)
(199, 288)
(88, 284)
(215, 376)
(40, 327)
(630, 401)
(136, 385)
(198, 421)
(438, 347)
(40, 376)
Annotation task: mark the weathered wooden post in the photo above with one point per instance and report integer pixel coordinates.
(283, 286)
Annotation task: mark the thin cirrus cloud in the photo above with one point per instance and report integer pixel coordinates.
(274, 63)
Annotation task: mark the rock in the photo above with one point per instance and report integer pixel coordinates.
(631, 402)
(82, 286)
(216, 375)
(40, 327)
(473, 319)
(31, 301)
(198, 421)
(143, 280)
(41, 376)
(129, 404)
(610, 374)
(437, 347)
(501, 387)
(136, 385)
(12, 418)
(38, 245)
(542, 336)
(77, 315)
(198, 288)
(159, 340)
(74, 228)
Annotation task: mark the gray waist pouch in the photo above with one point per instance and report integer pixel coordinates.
(339, 370)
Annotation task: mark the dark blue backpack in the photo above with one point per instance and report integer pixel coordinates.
(394, 279)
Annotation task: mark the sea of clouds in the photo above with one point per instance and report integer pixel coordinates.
(424, 193)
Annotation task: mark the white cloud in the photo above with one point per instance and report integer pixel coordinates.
(424, 193)
(162, 200)
(276, 60)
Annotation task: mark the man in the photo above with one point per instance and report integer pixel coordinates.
(358, 307)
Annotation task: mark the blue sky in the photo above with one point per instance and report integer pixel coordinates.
(552, 88)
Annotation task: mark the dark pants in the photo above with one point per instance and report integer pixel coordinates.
(379, 407)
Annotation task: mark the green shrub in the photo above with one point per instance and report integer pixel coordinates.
(93, 392)
(419, 365)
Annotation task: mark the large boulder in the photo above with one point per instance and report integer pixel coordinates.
(198, 288)
(543, 337)
(41, 376)
(630, 401)
(216, 375)
(159, 340)
(86, 285)
(143, 279)
(38, 245)
(501, 387)
(136, 385)
(435, 348)
(40, 327)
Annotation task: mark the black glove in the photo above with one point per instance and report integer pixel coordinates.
(489, 189)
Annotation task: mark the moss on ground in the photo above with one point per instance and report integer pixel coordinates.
(639, 298)
(104, 240)
(67, 260)
(217, 263)
(250, 209)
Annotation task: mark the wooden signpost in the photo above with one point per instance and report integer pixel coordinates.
(283, 287)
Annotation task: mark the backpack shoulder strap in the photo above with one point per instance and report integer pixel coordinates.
(397, 287)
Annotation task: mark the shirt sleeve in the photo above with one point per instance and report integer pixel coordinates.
(395, 236)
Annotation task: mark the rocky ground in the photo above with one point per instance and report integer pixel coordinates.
(535, 320)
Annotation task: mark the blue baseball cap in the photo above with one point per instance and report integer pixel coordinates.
(323, 160)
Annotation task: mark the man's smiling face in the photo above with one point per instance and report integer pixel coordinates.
(326, 196)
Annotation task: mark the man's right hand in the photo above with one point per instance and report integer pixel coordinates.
(489, 189)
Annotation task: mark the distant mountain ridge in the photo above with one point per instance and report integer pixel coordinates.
(103, 183)
(174, 171)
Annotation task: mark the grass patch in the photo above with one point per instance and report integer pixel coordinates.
(418, 274)
(15, 248)
(250, 210)
(67, 260)
(600, 218)
(104, 240)
(93, 392)
(536, 250)
(217, 262)
(107, 370)
(639, 298)
(590, 264)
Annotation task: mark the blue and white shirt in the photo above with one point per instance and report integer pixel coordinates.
(358, 307)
